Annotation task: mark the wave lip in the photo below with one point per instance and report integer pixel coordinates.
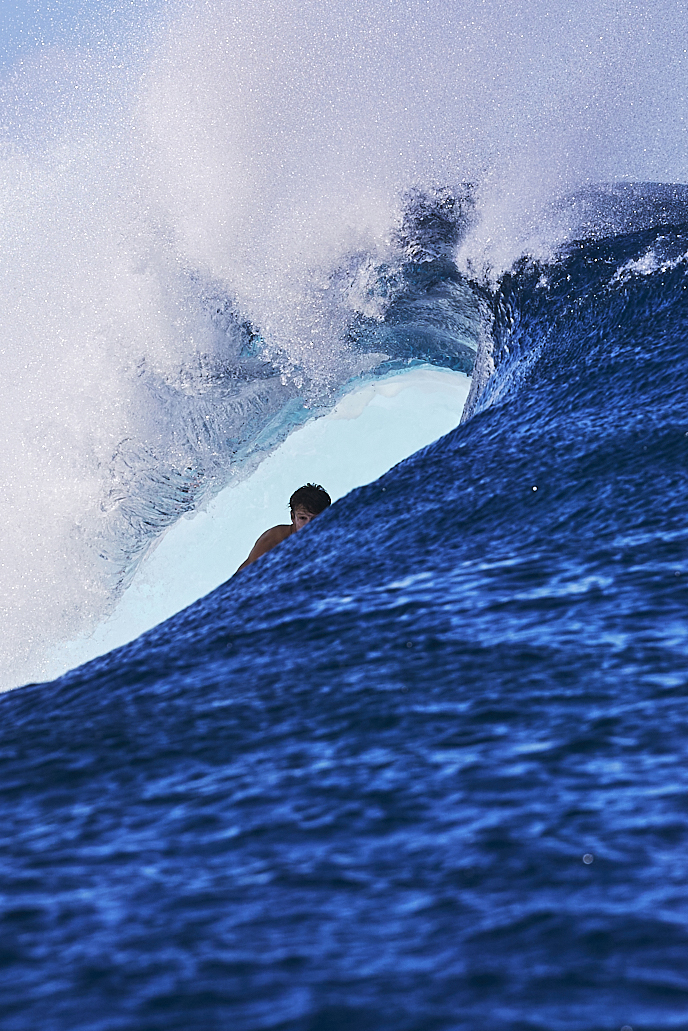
(225, 411)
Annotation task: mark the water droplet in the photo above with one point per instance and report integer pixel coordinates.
(627, 1027)
(409, 644)
(588, 858)
(534, 488)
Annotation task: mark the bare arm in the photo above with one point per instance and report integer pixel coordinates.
(266, 542)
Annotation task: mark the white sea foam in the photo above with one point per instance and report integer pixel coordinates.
(646, 265)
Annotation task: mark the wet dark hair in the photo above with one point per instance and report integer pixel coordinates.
(312, 497)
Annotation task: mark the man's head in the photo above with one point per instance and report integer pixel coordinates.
(306, 503)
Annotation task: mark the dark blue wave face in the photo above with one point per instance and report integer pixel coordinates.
(424, 765)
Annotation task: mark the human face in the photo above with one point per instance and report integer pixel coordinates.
(300, 516)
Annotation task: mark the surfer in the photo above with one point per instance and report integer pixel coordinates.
(305, 504)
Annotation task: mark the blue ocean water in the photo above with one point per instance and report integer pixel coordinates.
(423, 767)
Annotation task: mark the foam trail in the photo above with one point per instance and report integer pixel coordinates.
(196, 218)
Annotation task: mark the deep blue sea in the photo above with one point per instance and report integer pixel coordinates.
(425, 766)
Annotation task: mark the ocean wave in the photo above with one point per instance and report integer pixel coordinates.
(437, 731)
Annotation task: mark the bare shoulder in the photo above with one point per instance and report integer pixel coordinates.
(275, 535)
(267, 541)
